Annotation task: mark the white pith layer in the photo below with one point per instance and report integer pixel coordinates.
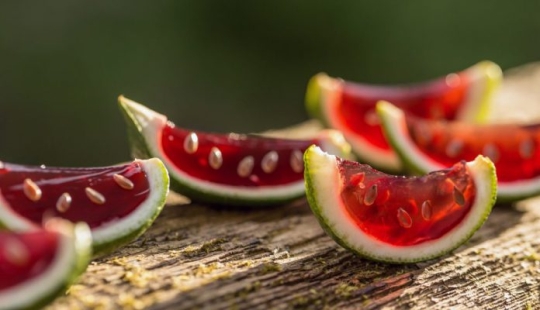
(151, 125)
(324, 175)
(395, 127)
(12, 220)
(483, 77)
(331, 90)
(159, 187)
(63, 265)
(115, 228)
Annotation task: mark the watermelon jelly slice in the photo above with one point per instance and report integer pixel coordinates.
(232, 169)
(117, 202)
(37, 266)
(398, 219)
(350, 107)
(425, 145)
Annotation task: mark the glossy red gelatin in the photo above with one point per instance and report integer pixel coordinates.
(441, 98)
(512, 148)
(25, 256)
(405, 211)
(42, 201)
(235, 159)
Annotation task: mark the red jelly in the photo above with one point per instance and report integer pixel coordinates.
(512, 148)
(441, 98)
(406, 210)
(235, 159)
(25, 256)
(91, 195)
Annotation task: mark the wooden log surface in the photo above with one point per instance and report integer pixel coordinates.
(204, 257)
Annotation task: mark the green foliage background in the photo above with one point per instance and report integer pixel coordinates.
(221, 65)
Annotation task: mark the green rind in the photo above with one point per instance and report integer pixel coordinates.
(137, 142)
(333, 231)
(314, 204)
(83, 255)
(414, 167)
(84, 252)
(140, 149)
(313, 99)
(311, 194)
(494, 76)
(111, 244)
(314, 107)
(104, 248)
(409, 165)
(510, 198)
(313, 103)
(84, 249)
(198, 195)
(491, 73)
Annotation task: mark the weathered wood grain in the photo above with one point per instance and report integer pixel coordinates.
(203, 257)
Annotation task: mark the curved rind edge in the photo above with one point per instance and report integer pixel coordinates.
(417, 163)
(477, 110)
(390, 117)
(313, 98)
(494, 80)
(114, 234)
(81, 243)
(159, 184)
(198, 192)
(140, 149)
(137, 143)
(318, 90)
(491, 78)
(484, 176)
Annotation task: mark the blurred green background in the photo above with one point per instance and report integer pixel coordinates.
(221, 65)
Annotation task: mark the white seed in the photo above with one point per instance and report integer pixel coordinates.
(31, 190)
(452, 80)
(215, 159)
(16, 252)
(245, 166)
(191, 143)
(371, 195)
(297, 161)
(526, 148)
(63, 203)
(94, 196)
(427, 210)
(404, 218)
(371, 118)
(123, 182)
(453, 148)
(491, 151)
(269, 162)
